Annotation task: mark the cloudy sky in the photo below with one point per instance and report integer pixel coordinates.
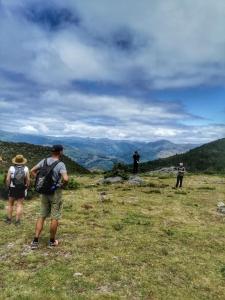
(140, 70)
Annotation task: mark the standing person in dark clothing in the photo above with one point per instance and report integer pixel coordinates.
(180, 175)
(136, 159)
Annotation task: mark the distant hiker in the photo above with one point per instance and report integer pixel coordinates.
(180, 175)
(136, 159)
(17, 180)
(51, 176)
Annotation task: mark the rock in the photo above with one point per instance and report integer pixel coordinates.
(10, 245)
(77, 274)
(221, 207)
(26, 250)
(116, 179)
(103, 193)
(87, 206)
(135, 180)
(104, 289)
(103, 197)
(168, 170)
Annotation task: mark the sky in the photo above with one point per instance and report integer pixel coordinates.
(137, 70)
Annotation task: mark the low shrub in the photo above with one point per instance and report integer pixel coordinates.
(72, 184)
(118, 169)
(209, 188)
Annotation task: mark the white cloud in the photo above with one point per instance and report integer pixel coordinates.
(5, 105)
(170, 44)
(28, 129)
(77, 114)
(183, 43)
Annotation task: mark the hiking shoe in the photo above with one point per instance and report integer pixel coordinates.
(17, 223)
(8, 221)
(34, 245)
(53, 244)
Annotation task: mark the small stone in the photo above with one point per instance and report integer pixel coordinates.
(221, 207)
(87, 206)
(77, 274)
(10, 245)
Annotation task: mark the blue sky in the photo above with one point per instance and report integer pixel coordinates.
(140, 70)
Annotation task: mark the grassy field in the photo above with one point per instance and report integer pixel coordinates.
(149, 242)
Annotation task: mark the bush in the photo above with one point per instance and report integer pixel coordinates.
(3, 188)
(118, 169)
(72, 184)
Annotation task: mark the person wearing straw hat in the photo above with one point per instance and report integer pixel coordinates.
(17, 180)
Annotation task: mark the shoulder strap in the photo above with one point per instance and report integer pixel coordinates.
(19, 167)
(53, 165)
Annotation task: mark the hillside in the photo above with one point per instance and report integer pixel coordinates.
(34, 154)
(206, 158)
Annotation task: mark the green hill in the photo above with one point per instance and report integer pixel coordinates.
(206, 158)
(34, 154)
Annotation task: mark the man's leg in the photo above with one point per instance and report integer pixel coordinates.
(177, 184)
(181, 181)
(38, 230)
(44, 213)
(39, 227)
(135, 168)
(19, 209)
(56, 210)
(53, 229)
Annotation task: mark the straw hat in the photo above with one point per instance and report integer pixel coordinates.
(19, 160)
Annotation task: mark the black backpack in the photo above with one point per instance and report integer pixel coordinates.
(44, 183)
(19, 177)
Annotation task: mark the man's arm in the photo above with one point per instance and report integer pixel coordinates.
(35, 169)
(65, 179)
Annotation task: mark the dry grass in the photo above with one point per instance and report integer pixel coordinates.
(140, 244)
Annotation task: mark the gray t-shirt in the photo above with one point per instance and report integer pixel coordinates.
(59, 169)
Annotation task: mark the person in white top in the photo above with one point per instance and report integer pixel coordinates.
(17, 180)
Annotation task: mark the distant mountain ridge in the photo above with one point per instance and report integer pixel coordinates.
(209, 158)
(102, 153)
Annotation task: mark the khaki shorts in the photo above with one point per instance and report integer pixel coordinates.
(51, 205)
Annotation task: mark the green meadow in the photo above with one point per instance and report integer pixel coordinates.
(140, 242)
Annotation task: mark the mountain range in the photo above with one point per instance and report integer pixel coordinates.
(208, 158)
(102, 153)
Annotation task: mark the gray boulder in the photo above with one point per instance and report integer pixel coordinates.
(116, 179)
(169, 170)
(135, 180)
(221, 207)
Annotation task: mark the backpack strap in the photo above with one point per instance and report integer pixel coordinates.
(45, 163)
(53, 165)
